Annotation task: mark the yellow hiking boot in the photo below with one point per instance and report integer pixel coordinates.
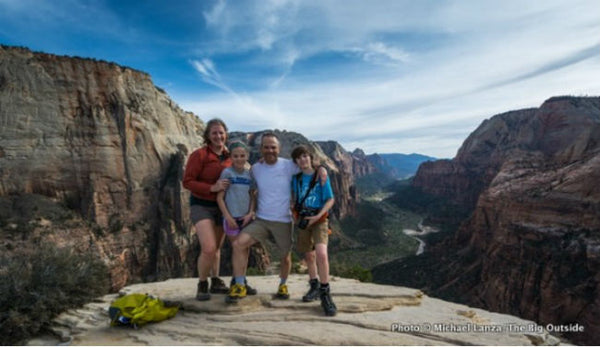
(282, 292)
(237, 291)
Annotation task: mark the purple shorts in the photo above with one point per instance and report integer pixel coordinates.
(232, 230)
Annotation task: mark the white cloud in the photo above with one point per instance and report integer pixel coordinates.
(417, 76)
(445, 65)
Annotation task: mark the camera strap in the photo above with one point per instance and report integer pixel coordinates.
(311, 185)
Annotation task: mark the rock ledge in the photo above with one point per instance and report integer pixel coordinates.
(369, 314)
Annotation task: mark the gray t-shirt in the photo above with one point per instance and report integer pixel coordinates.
(237, 196)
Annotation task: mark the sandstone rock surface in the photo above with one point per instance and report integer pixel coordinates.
(369, 314)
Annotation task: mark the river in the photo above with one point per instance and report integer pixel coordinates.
(422, 230)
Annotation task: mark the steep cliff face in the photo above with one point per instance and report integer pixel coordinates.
(343, 167)
(532, 244)
(104, 141)
(344, 171)
(479, 159)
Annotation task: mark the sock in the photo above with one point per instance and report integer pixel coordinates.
(240, 279)
(282, 281)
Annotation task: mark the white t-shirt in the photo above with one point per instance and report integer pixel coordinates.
(274, 184)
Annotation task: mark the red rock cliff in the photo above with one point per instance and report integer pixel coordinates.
(532, 244)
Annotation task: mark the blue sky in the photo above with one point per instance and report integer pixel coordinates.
(385, 76)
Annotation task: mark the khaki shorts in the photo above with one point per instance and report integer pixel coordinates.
(199, 212)
(282, 233)
(308, 238)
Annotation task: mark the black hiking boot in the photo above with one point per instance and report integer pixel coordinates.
(327, 303)
(217, 286)
(250, 290)
(313, 292)
(202, 293)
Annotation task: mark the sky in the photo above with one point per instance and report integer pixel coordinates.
(385, 76)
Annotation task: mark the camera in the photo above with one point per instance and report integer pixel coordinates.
(304, 212)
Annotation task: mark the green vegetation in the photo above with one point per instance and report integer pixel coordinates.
(375, 236)
(356, 272)
(435, 208)
(373, 184)
(37, 287)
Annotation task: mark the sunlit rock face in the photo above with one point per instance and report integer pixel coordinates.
(103, 140)
(532, 244)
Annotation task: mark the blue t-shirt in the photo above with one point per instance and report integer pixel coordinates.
(317, 196)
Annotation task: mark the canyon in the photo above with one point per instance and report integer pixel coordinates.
(92, 154)
(531, 245)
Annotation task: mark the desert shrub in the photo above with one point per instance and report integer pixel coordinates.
(354, 271)
(37, 287)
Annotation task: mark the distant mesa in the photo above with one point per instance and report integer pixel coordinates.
(397, 165)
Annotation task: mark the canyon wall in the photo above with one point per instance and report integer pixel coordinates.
(102, 140)
(531, 246)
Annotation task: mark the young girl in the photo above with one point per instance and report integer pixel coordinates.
(312, 199)
(236, 203)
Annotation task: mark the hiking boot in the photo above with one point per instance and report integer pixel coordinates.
(282, 292)
(327, 303)
(237, 291)
(313, 292)
(202, 293)
(217, 286)
(249, 290)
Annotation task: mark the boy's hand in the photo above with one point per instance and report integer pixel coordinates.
(312, 220)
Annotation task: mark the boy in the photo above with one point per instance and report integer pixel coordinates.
(312, 197)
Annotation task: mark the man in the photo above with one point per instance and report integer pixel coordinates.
(273, 177)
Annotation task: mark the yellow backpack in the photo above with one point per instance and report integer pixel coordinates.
(138, 309)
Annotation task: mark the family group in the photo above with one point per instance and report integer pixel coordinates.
(272, 198)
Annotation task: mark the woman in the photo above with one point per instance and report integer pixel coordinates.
(201, 178)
